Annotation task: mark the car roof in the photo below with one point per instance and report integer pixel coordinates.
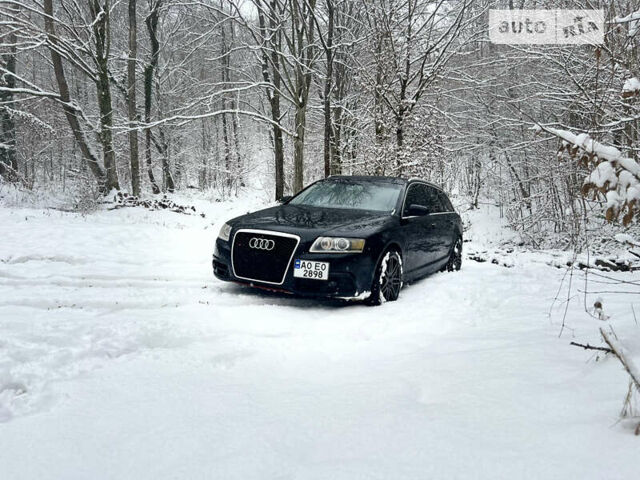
(381, 179)
(368, 178)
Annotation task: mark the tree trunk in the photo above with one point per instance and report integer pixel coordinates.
(223, 105)
(63, 88)
(270, 59)
(152, 24)
(8, 159)
(400, 143)
(377, 94)
(328, 84)
(298, 148)
(399, 134)
(131, 97)
(101, 27)
(303, 39)
(202, 177)
(278, 153)
(234, 117)
(339, 133)
(336, 144)
(236, 145)
(278, 144)
(163, 149)
(227, 150)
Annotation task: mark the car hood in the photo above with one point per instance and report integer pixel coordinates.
(316, 220)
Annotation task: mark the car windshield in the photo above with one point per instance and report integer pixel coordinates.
(376, 196)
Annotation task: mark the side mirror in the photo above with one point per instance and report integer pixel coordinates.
(285, 199)
(418, 210)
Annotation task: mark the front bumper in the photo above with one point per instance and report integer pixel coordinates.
(350, 275)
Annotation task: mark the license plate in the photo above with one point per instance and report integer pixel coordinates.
(311, 269)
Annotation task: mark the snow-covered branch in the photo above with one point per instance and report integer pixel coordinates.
(612, 174)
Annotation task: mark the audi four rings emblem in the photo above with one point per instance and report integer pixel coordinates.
(262, 243)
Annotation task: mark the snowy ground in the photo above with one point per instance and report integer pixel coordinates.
(121, 357)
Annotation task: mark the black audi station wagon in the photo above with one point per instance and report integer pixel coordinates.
(353, 237)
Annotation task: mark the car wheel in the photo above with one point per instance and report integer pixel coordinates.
(387, 280)
(455, 258)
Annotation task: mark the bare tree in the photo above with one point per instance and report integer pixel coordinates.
(8, 156)
(300, 40)
(68, 106)
(414, 41)
(270, 40)
(131, 100)
(149, 71)
(101, 24)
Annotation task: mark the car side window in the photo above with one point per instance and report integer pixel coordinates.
(416, 195)
(446, 203)
(433, 200)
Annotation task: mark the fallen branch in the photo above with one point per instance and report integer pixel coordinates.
(618, 351)
(497, 258)
(628, 365)
(606, 265)
(123, 200)
(591, 347)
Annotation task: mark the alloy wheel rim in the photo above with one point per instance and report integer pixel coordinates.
(391, 281)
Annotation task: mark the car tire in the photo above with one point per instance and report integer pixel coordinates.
(387, 280)
(455, 257)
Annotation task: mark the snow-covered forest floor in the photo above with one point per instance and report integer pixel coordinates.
(122, 357)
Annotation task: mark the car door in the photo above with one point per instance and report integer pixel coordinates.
(449, 222)
(418, 230)
(438, 226)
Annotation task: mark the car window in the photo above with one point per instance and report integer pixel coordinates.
(433, 198)
(416, 195)
(426, 196)
(446, 203)
(350, 194)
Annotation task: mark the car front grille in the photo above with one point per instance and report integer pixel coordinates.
(262, 255)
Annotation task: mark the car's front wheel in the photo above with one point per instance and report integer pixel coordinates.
(387, 280)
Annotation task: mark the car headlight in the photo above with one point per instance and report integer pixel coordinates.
(225, 232)
(337, 245)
